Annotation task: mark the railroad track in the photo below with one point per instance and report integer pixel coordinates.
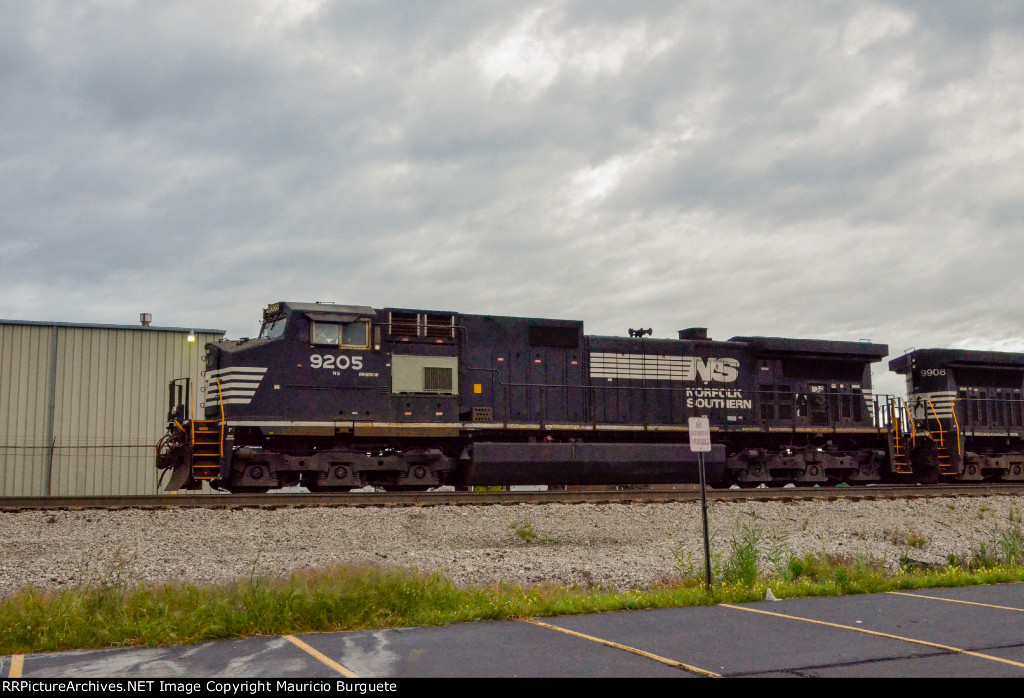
(421, 499)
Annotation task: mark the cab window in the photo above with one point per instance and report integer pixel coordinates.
(273, 329)
(349, 334)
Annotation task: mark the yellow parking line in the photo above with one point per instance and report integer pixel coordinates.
(17, 664)
(634, 650)
(319, 655)
(877, 633)
(970, 603)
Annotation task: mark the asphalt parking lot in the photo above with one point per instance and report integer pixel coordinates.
(962, 632)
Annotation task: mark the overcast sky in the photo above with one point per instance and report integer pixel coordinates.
(837, 170)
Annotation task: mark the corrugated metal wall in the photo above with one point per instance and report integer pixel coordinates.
(107, 386)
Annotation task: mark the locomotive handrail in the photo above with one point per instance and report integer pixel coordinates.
(872, 403)
(178, 395)
(956, 421)
(937, 421)
(984, 413)
(220, 400)
(910, 421)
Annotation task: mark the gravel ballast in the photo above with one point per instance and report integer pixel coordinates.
(619, 546)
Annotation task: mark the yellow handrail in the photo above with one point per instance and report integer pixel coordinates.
(942, 442)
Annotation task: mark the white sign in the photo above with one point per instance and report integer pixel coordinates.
(700, 434)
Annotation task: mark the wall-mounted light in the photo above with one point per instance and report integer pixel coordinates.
(191, 335)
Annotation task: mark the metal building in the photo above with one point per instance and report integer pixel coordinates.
(82, 406)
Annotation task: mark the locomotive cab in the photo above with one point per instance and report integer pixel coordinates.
(964, 409)
(306, 402)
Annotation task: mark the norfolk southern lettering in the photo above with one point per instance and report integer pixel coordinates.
(717, 398)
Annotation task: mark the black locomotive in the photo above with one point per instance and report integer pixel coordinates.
(337, 397)
(963, 412)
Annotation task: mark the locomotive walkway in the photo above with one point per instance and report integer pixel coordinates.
(963, 632)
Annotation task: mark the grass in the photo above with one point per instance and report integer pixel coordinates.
(528, 534)
(910, 537)
(110, 610)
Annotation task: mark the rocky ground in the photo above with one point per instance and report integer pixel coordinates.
(610, 545)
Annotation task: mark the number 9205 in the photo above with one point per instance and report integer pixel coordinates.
(341, 361)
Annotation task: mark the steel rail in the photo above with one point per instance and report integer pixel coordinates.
(423, 499)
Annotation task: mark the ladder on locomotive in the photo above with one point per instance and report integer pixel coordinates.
(207, 443)
(900, 454)
(938, 435)
(899, 415)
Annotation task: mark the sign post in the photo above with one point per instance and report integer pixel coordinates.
(700, 443)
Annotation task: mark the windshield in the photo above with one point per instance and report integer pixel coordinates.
(352, 334)
(272, 329)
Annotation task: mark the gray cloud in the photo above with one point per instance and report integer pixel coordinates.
(796, 168)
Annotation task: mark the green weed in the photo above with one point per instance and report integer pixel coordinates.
(741, 565)
(1010, 543)
(528, 534)
(910, 537)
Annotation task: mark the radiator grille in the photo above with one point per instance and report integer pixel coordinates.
(404, 324)
(431, 325)
(439, 326)
(437, 379)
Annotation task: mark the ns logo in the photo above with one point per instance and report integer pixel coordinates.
(716, 370)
